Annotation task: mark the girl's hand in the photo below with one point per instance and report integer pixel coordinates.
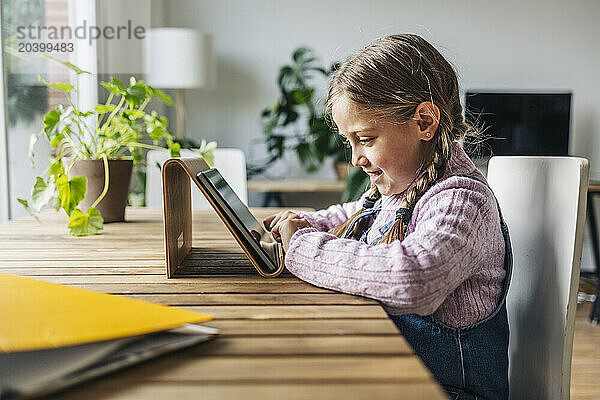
(283, 226)
(273, 220)
(286, 229)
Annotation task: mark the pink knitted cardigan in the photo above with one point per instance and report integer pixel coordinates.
(450, 264)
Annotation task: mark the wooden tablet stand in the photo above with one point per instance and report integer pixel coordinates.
(181, 258)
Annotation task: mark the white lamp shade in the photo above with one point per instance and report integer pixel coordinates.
(178, 58)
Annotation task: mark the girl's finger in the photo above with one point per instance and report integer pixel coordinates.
(272, 220)
(267, 221)
(276, 230)
(277, 218)
(275, 233)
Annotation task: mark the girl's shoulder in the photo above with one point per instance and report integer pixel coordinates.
(454, 193)
(462, 179)
(452, 183)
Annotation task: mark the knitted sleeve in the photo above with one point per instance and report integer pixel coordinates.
(451, 235)
(323, 220)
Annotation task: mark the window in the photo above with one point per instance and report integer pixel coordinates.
(27, 100)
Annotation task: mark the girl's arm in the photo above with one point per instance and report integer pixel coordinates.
(324, 220)
(455, 231)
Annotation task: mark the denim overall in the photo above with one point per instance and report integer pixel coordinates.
(469, 362)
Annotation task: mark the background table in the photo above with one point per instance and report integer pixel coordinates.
(274, 188)
(280, 338)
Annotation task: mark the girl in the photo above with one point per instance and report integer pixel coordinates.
(427, 240)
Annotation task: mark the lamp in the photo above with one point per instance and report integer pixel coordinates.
(178, 58)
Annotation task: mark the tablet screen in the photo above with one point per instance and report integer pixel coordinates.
(237, 211)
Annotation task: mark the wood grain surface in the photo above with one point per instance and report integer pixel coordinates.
(279, 338)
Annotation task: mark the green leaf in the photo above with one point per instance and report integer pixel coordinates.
(134, 114)
(275, 145)
(32, 141)
(303, 95)
(118, 83)
(321, 70)
(81, 224)
(70, 191)
(67, 64)
(175, 149)
(56, 121)
(207, 152)
(307, 157)
(137, 157)
(115, 135)
(284, 73)
(102, 109)
(28, 209)
(56, 168)
(156, 132)
(321, 142)
(56, 140)
(136, 94)
(112, 88)
(65, 87)
(82, 114)
(51, 119)
(290, 117)
(299, 54)
(42, 194)
(210, 146)
(160, 95)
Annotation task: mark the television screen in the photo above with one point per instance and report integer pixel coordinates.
(520, 123)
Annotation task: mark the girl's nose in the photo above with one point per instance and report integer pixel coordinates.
(358, 159)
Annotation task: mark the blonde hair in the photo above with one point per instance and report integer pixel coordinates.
(389, 79)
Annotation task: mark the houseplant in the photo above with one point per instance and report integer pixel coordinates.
(297, 121)
(112, 133)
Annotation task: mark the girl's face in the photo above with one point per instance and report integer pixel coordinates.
(390, 153)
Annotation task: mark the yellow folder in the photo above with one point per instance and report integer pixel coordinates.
(37, 315)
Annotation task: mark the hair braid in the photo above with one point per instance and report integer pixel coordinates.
(359, 227)
(433, 172)
(388, 80)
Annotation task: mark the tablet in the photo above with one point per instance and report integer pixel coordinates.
(265, 253)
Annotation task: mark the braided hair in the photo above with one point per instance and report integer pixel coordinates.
(389, 79)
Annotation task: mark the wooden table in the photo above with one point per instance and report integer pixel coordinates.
(280, 338)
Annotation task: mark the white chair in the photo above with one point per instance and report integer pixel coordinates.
(543, 200)
(231, 163)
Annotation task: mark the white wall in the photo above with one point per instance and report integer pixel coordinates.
(520, 45)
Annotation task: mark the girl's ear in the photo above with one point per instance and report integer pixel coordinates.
(427, 116)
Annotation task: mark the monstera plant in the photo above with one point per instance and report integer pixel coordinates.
(296, 121)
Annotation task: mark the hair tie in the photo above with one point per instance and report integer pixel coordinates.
(369, 202)
(404, 214)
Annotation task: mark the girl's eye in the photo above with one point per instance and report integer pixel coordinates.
(365, 140)
(345, 141)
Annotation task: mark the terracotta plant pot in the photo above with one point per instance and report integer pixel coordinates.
(112, 206)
